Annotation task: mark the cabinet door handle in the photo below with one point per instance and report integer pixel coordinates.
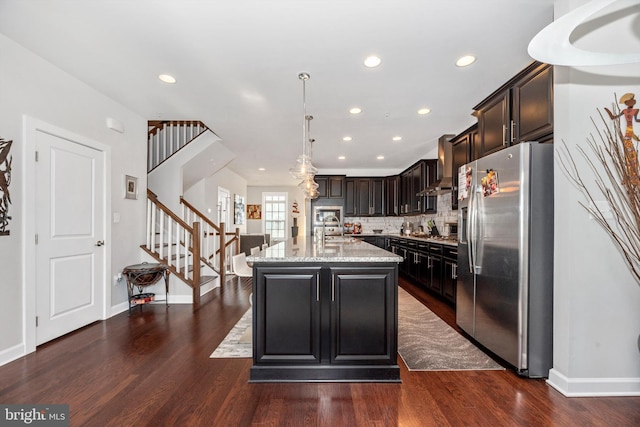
(504, 135)
(513, 131)
(454, 271)
(418, 204)
(317, 286)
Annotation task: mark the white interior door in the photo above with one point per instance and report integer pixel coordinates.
(70, 235)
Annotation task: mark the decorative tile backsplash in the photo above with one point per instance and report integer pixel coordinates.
(392, 224)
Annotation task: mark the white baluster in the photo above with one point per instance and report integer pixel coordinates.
(153, 229)
(169, 247)
(149, 209)
(161, 236)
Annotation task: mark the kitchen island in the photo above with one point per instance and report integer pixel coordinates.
(325, 311)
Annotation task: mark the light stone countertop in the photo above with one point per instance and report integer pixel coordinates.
(306, 249)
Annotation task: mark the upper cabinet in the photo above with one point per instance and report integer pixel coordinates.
(392, 195)
(462, 153)
(521, 110)
(364, 197)
(412, 181)
(331, 187)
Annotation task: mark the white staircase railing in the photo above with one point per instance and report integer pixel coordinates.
(174, 243)
(166, 137)
(217, 246)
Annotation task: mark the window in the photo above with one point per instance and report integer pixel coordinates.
(274, 214)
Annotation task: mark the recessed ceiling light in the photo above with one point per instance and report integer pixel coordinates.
(355, 110)
(167, 78)
(372, 61)
(397, 138)
(261, 169)
(347, 138)
(341, 157)
(380, 157)
(465, 60)
(424, 111)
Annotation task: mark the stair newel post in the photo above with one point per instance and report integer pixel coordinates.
(223, 255)
(195, 249)
(237, 240)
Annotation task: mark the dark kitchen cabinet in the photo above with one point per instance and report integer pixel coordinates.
(350, 197)
(363, 315)
(520, 110)
(412, 181)
(429, 204)
(533, 105)
(434, 266)
(364, 197)
(450, 273)
(289, 304)
(461, 153)
(330, 187)
(325, 323)
(392, 195)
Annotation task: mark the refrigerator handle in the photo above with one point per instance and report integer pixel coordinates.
(470, 228)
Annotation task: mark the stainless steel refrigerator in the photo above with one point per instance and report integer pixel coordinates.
(505, 255)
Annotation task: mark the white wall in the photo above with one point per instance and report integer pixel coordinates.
(597, 302)
(254, 197)
(31, 86)
(235, 184)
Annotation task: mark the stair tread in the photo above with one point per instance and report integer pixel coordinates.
(206, 279)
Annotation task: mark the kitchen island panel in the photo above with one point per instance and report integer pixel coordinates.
(288, 307)
(363, 313)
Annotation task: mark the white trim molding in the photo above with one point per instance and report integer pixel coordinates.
(593, 387)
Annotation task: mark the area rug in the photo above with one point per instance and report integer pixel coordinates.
(238, 342)
(425, 342)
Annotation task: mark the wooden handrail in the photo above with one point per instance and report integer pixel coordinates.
(199, 214)
(152, 196)
(157, 124)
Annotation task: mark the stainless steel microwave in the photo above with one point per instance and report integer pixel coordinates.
(327, 215)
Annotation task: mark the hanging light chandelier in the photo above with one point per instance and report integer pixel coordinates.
(304, 168)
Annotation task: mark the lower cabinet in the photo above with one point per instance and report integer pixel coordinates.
(288, 305)
(325, 323)
(363, 315)
(435, 268)
(450, 274)
(430, 265)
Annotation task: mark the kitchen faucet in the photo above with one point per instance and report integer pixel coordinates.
(324, 225)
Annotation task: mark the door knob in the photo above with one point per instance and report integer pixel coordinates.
(100, 243)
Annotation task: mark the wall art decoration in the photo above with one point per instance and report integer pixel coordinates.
(238, 210)
(130, 187)
(5, 180)
(254, 211)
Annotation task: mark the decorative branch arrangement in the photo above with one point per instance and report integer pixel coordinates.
(615, 170)
(5, 180)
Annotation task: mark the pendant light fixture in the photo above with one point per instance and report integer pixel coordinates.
(303, 168)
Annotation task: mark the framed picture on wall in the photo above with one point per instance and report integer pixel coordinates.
(254, 211)
(130, 187)
(238, 210)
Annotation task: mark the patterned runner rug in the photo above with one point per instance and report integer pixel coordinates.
(425, 342)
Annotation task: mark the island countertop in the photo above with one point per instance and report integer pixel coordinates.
(335, 249)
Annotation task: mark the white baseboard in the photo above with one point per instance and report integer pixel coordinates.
(593, 387)
(12, 353)
(117, 309)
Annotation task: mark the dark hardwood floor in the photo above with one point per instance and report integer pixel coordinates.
(153, 369)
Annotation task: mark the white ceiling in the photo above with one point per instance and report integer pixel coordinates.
(237, 64)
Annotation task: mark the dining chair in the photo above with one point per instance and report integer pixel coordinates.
(255, 250)
(240, 266)
(265, 246)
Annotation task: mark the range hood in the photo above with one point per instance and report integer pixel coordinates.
(444, 181)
